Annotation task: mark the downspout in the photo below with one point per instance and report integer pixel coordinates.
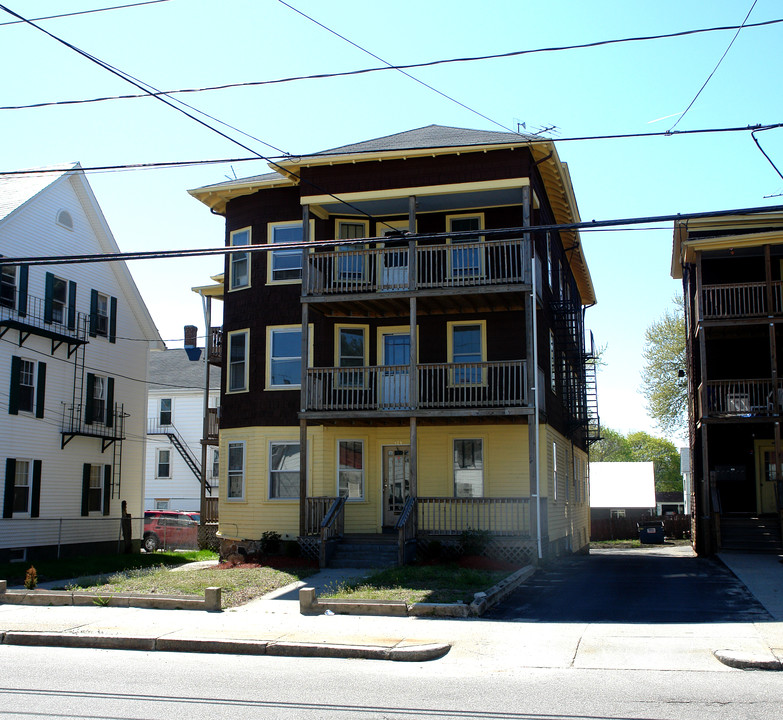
(536, 425)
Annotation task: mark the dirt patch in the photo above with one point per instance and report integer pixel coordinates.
(278, 562)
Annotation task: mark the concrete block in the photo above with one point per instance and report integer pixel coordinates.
(307, 600)
(231, 647)
(43, 639)
(458, 610)
(3, 586)
(213, 599)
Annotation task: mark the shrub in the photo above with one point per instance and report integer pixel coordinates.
(31, 578)
(269, 543)
(474, 542)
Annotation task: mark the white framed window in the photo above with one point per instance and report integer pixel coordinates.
(284, 357)
(236, 471)
(468, 261)
(617, 513)
(163, 464)
(95, 491)
(239, 262)
(99, 399)
(567, 482)
(161, 504)
(549, 263)
(164, 414)
(238, 353)
(102, 315)
(468, 467)
(466, 347)
(285, 265)
(59, 300)
(215, 464)
(284, 458)
(23, 483)
(65, 219)
(351, 265)
(27, 385)
(554, 469)
(351, 353)
(350, 469)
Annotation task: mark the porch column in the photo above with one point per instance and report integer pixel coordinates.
(414, 375)
(303, 399)
(414, 458)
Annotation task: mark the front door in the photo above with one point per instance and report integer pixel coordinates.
(396, 481)
(395, 376)
(766, 490)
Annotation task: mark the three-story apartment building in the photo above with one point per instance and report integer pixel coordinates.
(731, 267)
(404, 352)
(74, 341)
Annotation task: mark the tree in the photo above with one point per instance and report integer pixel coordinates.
(641, 447)
(664, 384)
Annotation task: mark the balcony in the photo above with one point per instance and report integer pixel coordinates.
(440, 389)
(741, 300)
(381, 274)
(216, 346)
(74, 424)
(32, 315)
(730, 399)
(213, 426)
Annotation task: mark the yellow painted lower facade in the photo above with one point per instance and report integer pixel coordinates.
(506, 473)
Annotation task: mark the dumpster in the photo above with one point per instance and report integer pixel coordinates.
(650, 531)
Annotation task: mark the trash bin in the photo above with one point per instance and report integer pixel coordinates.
(650, 531)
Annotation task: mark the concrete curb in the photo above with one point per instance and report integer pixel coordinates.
(310, 604)
(747, 661)
(412, 653)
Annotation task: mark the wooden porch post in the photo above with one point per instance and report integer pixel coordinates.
(414, 376)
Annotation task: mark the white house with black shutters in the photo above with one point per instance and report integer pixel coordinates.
(74, 343)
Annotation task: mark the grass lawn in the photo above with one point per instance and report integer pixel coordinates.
(633, 543)
(78, 567)
(420, 583)
(240, 584)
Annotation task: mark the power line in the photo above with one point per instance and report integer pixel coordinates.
(84, 12)
(386, 68)
(582, 138)
(586, 226)
(715, 69)
(397, 68)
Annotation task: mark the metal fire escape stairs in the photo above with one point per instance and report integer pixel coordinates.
(576, 370)
(171, 432)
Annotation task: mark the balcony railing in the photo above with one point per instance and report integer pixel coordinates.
(387, 269)
(452, 516)
(738, 300)
(33, 315)
(440, 386)
(216, 346)
(213, 425)
(110, 427)
(742, 398)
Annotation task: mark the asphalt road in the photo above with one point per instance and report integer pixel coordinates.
(649, 585)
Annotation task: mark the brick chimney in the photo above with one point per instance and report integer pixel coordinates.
(191, 336)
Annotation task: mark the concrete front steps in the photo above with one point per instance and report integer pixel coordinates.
(364, 551)
(751, 534)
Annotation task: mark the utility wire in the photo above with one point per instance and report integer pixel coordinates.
(396, 67)
(84, 12)
(385, 68)
(191, 163)
(488, 233)
(715, 69)
(170, 102)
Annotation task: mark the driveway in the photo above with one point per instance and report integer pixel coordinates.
(656, 584)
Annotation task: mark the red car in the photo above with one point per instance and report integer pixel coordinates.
(170, 529)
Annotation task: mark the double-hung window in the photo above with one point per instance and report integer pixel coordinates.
(239, 263)
(164, 417)
(285, 264)
(469, 468)
(103, 316)
(96, 489)
(95, 494)
(285, 357)
(350, 469)
(555, 479)
(163, 469)
(215, 465)
(350, 264)
(22, 487)
(100, 400)
(465, 254)
(59, 300)
(466, 344)
(28, 386)
(7, 286)
(284, 461)
(22, 495)
(238, 342)
(236, 471)
(351, 349)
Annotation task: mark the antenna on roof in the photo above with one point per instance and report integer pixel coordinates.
(234, 172)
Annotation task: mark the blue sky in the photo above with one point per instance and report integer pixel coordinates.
(621, 88)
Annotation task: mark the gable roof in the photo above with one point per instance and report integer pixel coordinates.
(622, 485)
(18, 189)
(173, 369)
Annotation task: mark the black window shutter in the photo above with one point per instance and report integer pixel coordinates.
(86, 490)
(109, 402)
(10, 482)
(22, 304)
(40, 390)
(113, 320)
(71, 305)
(106, 489)
(35, 501)
(88, 400)
(13, 394)
(93, 313)
(49, 298)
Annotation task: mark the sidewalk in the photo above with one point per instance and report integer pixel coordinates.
(272, 625)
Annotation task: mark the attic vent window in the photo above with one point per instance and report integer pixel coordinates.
(64, 218)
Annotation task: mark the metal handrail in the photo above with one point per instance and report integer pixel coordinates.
(405, 527)
(332, 526)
